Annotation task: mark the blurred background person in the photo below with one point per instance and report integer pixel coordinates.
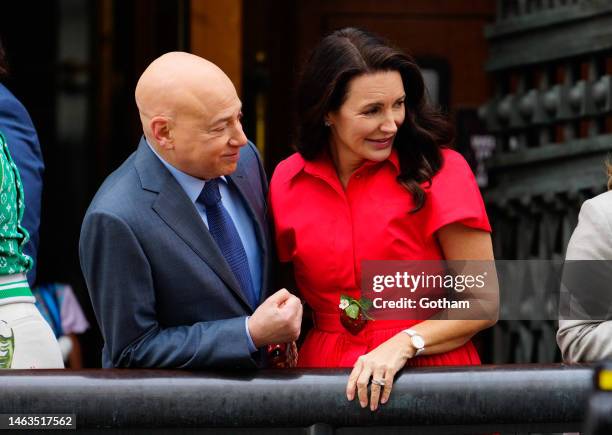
(61, 309)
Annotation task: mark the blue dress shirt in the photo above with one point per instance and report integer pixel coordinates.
(235, 207)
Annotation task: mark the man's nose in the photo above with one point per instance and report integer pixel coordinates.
(238, 138)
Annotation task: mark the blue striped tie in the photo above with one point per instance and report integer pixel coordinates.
(224, 232)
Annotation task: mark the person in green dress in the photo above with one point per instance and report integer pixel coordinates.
(26, 339)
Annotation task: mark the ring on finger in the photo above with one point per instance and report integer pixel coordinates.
(379, 382)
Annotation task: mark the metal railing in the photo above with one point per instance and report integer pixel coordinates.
(512, 398)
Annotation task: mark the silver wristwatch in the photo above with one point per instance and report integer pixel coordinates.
(417, 340)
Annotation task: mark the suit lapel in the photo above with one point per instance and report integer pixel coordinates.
(178, 212)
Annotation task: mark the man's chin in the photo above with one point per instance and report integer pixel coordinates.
(229, 169)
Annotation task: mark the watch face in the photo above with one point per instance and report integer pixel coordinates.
(418, 342)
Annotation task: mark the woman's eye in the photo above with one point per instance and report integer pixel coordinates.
(371, 111)
(399, 103)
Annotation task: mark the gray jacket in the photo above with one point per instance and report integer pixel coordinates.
(587, 340)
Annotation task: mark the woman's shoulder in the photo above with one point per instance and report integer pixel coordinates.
(590, 239)
(454, 168)
(600, 203)
(596, 212)
(287, 169)
(453, 160)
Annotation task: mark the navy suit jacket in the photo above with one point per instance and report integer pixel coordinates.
(163, 294)
(23, 144)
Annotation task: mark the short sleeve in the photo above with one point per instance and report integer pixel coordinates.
(284, 234)
(454, 196)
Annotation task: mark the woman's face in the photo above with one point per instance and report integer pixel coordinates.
(365, 125)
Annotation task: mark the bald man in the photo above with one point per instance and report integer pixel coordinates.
(175, 247)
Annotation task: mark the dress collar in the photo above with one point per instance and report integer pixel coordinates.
(323, 166)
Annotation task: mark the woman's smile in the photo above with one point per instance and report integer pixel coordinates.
(381, 143)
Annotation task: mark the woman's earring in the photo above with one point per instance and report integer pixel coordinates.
(326, 122)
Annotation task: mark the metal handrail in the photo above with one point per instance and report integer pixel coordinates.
(513, 397)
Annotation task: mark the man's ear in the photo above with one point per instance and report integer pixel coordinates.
(161, 129)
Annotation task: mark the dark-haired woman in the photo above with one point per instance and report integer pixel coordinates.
(373, 180)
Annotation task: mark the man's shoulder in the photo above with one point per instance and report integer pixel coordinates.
(121, 192)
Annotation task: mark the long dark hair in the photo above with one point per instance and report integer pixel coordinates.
(346, 54)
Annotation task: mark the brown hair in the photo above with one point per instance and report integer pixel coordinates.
(346, 54)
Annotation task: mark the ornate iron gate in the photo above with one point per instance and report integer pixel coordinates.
(551, 62)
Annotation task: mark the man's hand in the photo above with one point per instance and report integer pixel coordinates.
(277, 320)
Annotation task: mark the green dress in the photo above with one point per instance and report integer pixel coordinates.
(13, 236)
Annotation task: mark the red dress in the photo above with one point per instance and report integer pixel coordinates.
(325, 231)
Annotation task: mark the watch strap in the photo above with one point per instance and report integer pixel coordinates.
(412, 333)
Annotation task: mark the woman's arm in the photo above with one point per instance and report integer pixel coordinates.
(458, 242)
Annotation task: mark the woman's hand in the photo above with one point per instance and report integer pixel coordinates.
(381, 364)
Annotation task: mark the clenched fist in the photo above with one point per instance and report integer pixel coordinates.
(277, 320)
